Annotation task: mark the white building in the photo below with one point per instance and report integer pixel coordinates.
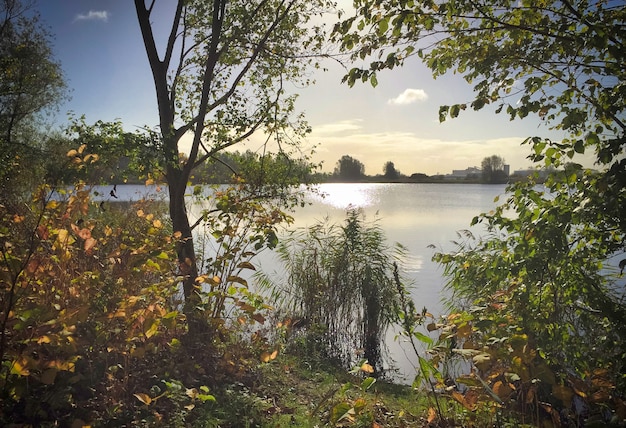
(463, 173)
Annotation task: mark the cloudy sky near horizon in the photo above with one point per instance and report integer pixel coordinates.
(100, 49)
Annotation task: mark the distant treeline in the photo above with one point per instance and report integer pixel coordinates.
(251, 167)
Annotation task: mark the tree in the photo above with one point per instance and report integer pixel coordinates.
(547, 278)
(31, 82)
(349, 169)
(493, 169)
(221, 77)
(390, 171)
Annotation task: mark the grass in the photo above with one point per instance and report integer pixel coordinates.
(290, 391)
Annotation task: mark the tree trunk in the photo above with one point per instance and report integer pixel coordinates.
(187, 266)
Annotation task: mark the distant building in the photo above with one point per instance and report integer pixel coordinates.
(464, 173)
(507, 170)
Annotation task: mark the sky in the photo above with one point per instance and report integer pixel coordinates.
(98, 44)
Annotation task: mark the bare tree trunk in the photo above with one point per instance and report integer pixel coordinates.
(188, 268)
(176, 175)
(180, 223)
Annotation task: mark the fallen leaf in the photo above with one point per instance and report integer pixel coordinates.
(144, 398)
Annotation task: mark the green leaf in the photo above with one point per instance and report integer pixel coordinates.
(367, 383)
(422, 338)
(478, 103)
(383, 26)
(454, 110)
(342, 411)
(443, 112)
(591, 139)
(373, 80)
(206, 397)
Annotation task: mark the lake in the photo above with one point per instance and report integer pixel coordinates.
(415, 215)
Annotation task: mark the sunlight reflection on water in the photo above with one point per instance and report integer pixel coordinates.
(345, 195)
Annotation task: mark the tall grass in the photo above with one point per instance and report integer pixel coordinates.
(339, 281)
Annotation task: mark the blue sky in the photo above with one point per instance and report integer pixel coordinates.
(99, 46)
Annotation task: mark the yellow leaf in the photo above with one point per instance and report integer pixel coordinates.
(157, 223)
(64, 365)
(152, 330)
(149, 182)
(432, 415)
(359, 404)
(140, 213)
(44, 339)
(458, 397)
(144, 398)
(64, 238)
(91, 158)
(367, 368)
(133, 299)
(266, 357)
(19, 369)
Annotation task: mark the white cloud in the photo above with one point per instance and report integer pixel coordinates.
(409, 96)
(93, 15)
(337, 127)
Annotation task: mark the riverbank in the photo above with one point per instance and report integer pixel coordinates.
(298, 391)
